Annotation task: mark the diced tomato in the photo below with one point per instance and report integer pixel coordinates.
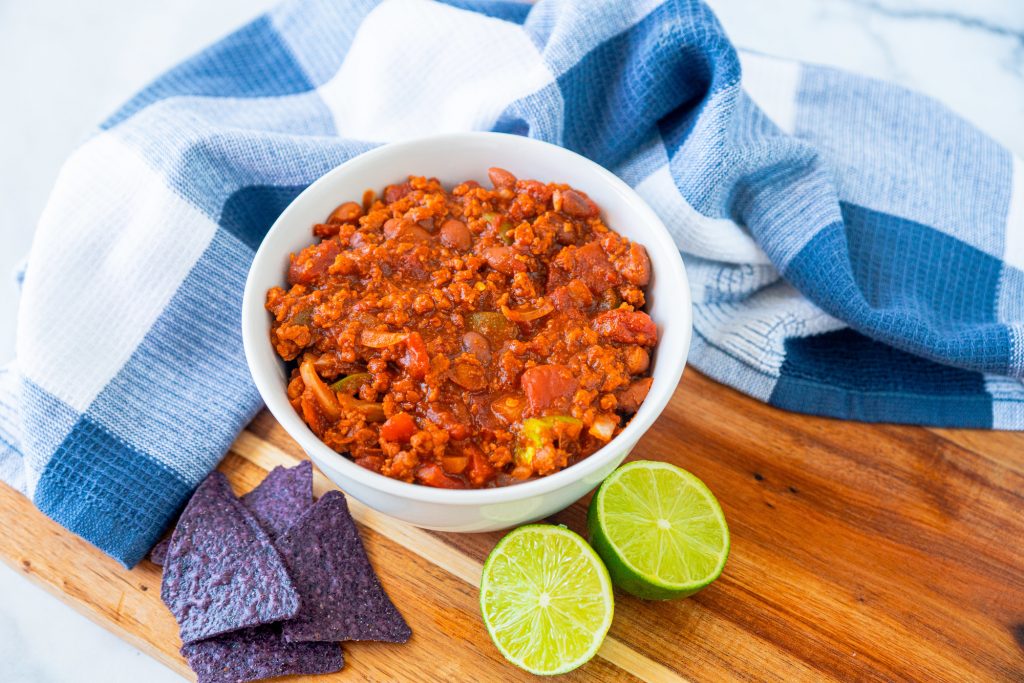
(574, 296)
(371, 462)
(509, 408)
(431, 474)
(538, 191)
(480, 470)
(416, 360)
(312, 262)
(562, 299)
(591, 265)
(399, 427)
(456, 423)
(627, 327)
(548, 386)
(410, 265)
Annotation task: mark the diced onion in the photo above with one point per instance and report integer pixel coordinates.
(373, 412)
(523, 315)
(604, 427)
(324, 396)
(376, 339)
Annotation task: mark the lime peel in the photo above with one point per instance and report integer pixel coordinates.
(659, 530)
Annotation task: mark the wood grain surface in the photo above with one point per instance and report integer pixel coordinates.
(859, 552)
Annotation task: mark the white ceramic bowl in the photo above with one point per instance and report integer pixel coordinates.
(453, 158)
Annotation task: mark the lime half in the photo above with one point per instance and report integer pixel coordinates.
(546, 599)
(659, 530)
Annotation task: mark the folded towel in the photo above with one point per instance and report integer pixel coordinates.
(854, 250)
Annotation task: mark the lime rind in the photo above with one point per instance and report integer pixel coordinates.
(652, 561)
(541, 559)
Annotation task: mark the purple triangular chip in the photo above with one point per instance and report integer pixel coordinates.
(277, 502)
(342, 599)
(222, 573)
(281, 497)
(256, 653)
(158, 553)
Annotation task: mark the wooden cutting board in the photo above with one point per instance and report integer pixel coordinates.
(859, 552)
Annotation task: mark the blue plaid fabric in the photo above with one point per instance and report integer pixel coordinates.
(854, 250)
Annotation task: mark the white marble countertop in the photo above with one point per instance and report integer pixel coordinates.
(67, 64)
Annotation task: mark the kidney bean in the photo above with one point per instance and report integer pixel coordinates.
(626, 327)
(632, 396)
(501, 178)
(637, 266)
(403, 231)
(477, 344)
(637, 360)
(349, 212)
(594, 269)
(312, 262)
(324, 230)
(455, 235)
(414, 233)
(503, 260)
(368, 197)
(392, 193)
(578, 206)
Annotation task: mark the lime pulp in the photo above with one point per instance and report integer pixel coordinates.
(546, 599)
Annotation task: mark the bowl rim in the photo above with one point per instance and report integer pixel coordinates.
(254, 331)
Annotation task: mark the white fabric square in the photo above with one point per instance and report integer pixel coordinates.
(397, 88)
(125, 242)
(772, 84)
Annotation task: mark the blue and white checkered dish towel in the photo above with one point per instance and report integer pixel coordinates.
(854, 250)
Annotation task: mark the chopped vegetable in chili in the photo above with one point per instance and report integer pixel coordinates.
(470, 338)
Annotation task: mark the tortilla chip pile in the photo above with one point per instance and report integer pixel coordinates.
(270, 584)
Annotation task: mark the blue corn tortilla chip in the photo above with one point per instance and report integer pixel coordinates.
(281, 497)
(342, 599)
(222, 572)
(277, 502)
(256, 653)
(158, 553)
